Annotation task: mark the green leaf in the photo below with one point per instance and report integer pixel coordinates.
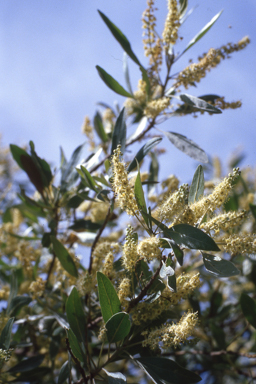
(153, 171)
(64, 257)
(32, 376)
(42, 166)
(115, 378)
(17, 152)
(118, 327)
(46, 240)
(112, 83)
(126, 73)
(99, 127)
(27, 364)
(171, 283)
(187, 146)
(120, 37)
(203, 31)
(196, 190)
(17, 303)
(119, 133)
(139, 196)
(82, 225)
(160, 369)
(179, 254)
(5, 338)
(219, 267)
(253, 210)
(64, 373)
(191, 237)
(109, 301)
(199, 103)
(13, 290)
(69, 175)
(248, 306)
(75, 346)
(183, 5)
(143, 152)
(90, 182)
(75, 315)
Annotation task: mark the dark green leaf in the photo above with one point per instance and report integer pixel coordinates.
(119, 133)
(199, 103)
(120, 37)
(75, 315)
(75, 346)
(196, 190)
(143, 152)
(115, 378)
(171, 283)
(160, 369)
(32, 376)
(118, 327)
(109, 301)
(253, 210)
(139, 196)
(219, 335)
(82, 225)
(69, 175)
(203, 31)
(13, 290)
(112, 83)
(5, 338)
(179, 254)
(219, 267)
(191, 237)
(28, 364)
(248, 306)
(46, 240)
(64, 373)
(99, 127)
(187, 146)
(64, 257)
(17, 152)
(17, 303)
(42, 166)
(153, 171)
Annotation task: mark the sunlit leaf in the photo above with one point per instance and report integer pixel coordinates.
(109, 301)
(199, 103)
(115, 377)
(218, 266)
(196, 189)
(203, 31)
(187, 146)
(126, 73)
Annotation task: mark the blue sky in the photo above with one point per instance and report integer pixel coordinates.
(48, 80)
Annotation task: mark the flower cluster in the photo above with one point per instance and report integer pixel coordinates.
(130, 253)
(148, 248)
(87, 130)
(172, 24)
(196, 71)
(155, 107)
(123, 190)
(37, 287)
(222, 104)
(245, 244)
(224, 222)
(173, 205)
(124, 291)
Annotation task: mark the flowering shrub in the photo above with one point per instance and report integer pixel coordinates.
(108, 274)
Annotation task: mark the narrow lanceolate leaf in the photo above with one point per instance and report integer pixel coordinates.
(126, 73)
(187, 146)
(75, 346)
(119, 132)
(118, 327)
(13, 290)
(64, 373)
(17, 303)
(196, 190)
(28, 364)
(166, 370)
(253, 210)
(203, 31)
(248, 306)
(99, 127)
(69, 175)
(191, 237)
(115, 377)
(199, 103)
(143, 152)
(112, 83)
(219, 267)
(42, 165)
(5, 338)
(75, 315)
(64, 257)
(139, 196)
(90, 182)
(109, 301)
(120, 37)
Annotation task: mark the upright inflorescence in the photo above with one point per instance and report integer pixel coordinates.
(130, 253)
(172, 24)
(244, 244)
(155, 107)
(124, 192)
(174, 204)
(148, 248)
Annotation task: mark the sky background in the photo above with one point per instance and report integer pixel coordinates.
(48, 81)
